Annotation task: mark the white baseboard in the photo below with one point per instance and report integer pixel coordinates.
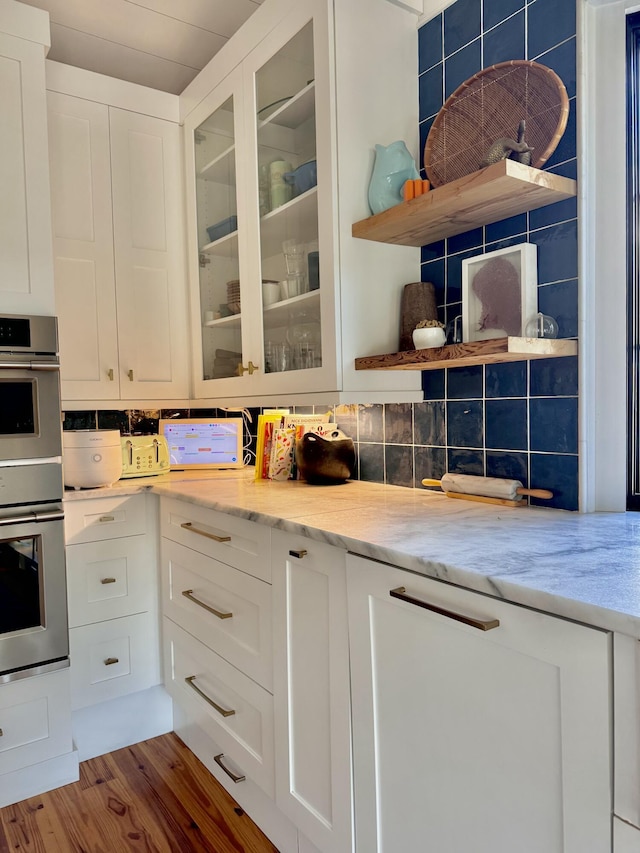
(38, 778)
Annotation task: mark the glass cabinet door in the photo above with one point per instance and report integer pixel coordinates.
(218, 255)
(287, 182)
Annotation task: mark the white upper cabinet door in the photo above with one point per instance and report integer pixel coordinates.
(149, 256)
(83, 247)
(26, 269)
(489, 734)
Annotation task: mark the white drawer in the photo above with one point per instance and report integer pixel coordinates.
(113, 658)
(194, 585)
(234, 541)
(35, 720)
(95, 519)
(626, 838)
(199, 680)
(109, 579)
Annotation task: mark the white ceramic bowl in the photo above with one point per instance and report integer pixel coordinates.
(270, 292)
(430, 337)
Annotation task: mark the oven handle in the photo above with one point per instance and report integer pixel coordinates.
(31, 517)
(29, 365)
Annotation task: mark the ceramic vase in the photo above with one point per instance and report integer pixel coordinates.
(393, 166)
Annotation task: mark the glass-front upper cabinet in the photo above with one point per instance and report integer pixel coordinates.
(285, 98)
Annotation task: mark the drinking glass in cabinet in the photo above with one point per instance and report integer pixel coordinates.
(287, 192)
(217, 228)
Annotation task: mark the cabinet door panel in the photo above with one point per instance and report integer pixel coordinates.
(466, 739)
(83, 247)
(149, 256)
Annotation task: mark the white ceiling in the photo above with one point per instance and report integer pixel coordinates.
(157, 43)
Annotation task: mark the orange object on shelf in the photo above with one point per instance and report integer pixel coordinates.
(417, 187)
(426, 186)
(407, 190)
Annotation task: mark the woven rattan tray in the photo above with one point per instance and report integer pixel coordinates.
(489, 106)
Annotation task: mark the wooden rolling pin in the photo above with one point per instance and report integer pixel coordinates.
(486, 489)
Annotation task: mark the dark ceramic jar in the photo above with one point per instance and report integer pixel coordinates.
(325, 460)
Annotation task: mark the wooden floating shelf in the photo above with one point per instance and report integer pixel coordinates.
(489, 195)
(476, 352)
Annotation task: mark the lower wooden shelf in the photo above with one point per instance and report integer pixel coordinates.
(475, 352)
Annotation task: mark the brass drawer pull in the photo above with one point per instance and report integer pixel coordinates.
(188, 525)
(188, 593)
(482, 625)
(110, 661)
(299, 554)
(1, 733)
(108, 580)
(225, 712)
(232, 776)
(104, 518)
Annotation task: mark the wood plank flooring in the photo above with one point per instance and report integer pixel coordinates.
(155, 796)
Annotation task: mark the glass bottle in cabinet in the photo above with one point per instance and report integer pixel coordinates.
(218, 255)
(288, 206)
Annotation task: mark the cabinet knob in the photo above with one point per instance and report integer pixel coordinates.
(110, 374)
(251, 369)
(130, 375)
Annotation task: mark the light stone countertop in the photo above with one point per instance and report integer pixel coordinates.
(581, 566)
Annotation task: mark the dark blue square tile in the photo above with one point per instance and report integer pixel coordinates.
(461, 461)
(428, 423)
(464, 383)
(430, 89)
(562, 60)
(557, 251)
(508, 379)
(461, 24)
(398, 425)
(568, 145)
(560, 475)
(495, 11)
(566, 170)
(513, 466)
(430, 43)
(505, 41)
(553, 424)
(398, 465)
(560, 301)
(430, 463)
(371, 462)
(346, 417)
(424, 128)
(506, 243)
(108, 419)
(433, 271)
(432, 252)
(553, 213)
(467, 240)
(462, 65)
(506, 424)
(454, 274)
(79, 420)
(453, 322)
(549, 23)
(554, 377)
(371, 423)
(433, 384)
(506, 228)
(464, 423)
(178, 413)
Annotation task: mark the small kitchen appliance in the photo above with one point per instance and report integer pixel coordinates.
(144, 455)
(91, 457)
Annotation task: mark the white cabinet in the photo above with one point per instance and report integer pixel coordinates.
(626, 838)
(118, 252)
(112, 592)
(464, 738)
(298, 95)
(26, 271)
(626, 681)
(311, 690)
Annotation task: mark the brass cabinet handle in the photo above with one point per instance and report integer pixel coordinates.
(299, 554)
(104, 518)
(110, 374)
(188, 525)
(130, 375)
(482, 625)
(110, 661)
(108, 580)
(1, 733)
(251, 369)
(188, 593)
(225, 712)
(232, 776)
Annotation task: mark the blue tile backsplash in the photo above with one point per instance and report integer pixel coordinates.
(518, 419)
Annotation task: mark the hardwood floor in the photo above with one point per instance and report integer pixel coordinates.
(154, 797)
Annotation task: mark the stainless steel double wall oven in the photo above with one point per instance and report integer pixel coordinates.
(33, 603)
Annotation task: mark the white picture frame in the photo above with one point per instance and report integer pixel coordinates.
(499, 293)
